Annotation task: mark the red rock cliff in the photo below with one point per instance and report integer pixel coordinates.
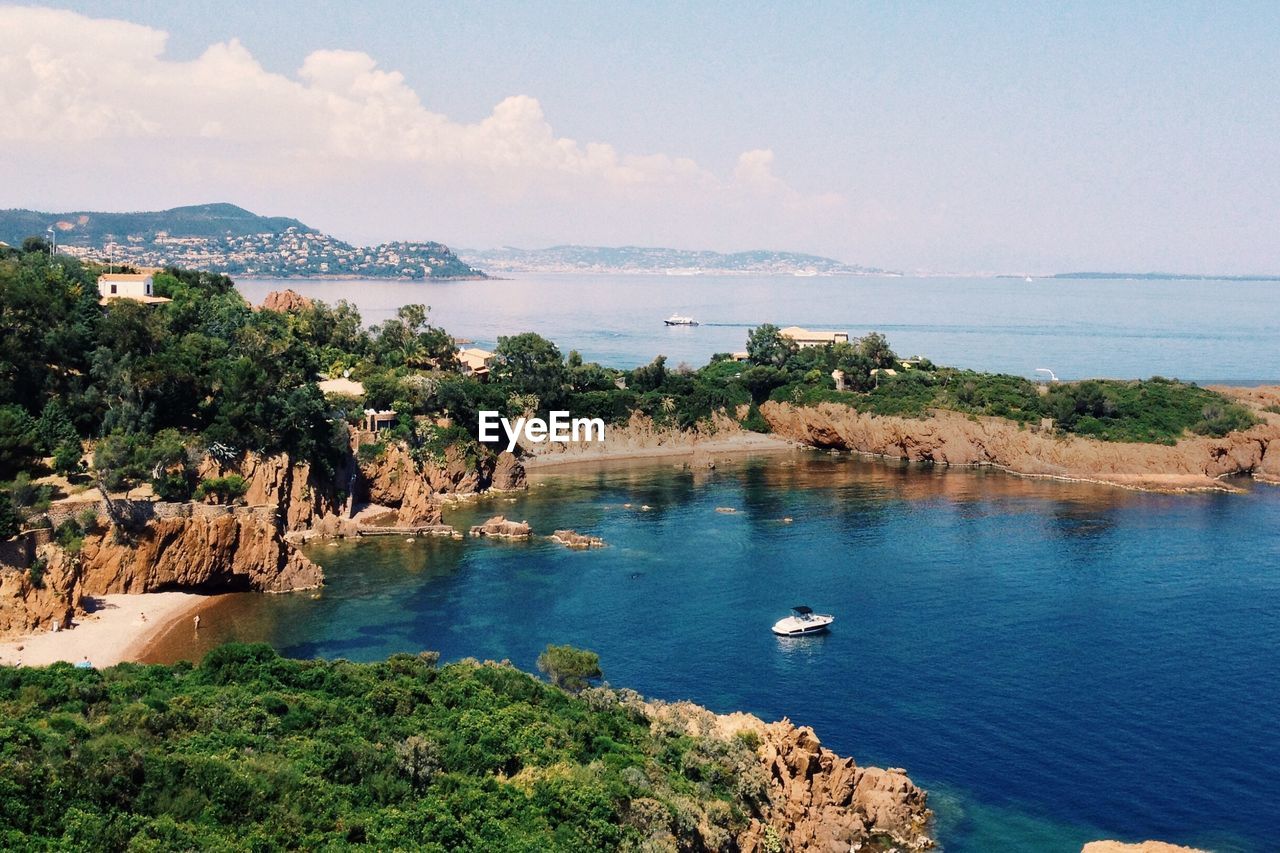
(950, 438)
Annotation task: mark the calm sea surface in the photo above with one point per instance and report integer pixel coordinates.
(1202, 330)
(1054, 662)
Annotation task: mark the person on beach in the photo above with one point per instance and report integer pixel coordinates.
(196, 621)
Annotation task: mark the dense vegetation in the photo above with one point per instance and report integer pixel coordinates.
(252, 751)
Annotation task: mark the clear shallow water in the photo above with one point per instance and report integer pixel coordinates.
(1055, 662)
(1193, 330)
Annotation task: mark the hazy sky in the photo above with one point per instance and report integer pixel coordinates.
(943, 136)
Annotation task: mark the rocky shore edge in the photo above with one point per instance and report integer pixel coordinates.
(144, 546)
(809, 798)
(949, 438)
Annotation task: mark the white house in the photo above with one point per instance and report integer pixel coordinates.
(135, 286)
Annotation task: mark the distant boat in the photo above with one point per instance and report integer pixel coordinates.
(677, 320)
(802, 621)
(805, 273)
(690, 271)
(1027, 279)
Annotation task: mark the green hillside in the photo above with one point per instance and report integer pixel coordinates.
(250, 751)
(92, 228)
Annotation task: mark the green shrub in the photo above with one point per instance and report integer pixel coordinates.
(222, 489)
(371, 451)
(754, 421)
(569, 667)
(35, 572)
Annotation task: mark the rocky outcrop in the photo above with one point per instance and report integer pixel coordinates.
(813, 799)
(1140, 847)
(33, 602)
(285, 301)
(950, 438)
(508, 474)
(218, 551)
(395, 479)
(574, 539)
(822, 802)
(499, 528)
(301, 496)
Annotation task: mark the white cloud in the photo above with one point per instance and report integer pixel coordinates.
(99, 89)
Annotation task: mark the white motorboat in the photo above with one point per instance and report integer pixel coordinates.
(802, 621)
(678, 320)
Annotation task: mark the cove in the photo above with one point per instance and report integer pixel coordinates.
(1056, 662)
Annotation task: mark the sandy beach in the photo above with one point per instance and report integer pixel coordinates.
(115, 631)
(737, 443)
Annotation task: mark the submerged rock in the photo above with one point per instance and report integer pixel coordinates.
(574, 539)
(499, 528)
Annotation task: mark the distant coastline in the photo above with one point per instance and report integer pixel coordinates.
(1155, 276)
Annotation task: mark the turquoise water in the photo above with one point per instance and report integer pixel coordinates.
(1055, 662)
(1201, 330)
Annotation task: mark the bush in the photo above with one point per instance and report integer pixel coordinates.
(10, 522)
(1221, 418)
(371, 451)
(66, 458)
(223, 490)
(754, 421)
(569, 667)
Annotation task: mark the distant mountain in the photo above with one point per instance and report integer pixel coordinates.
(642, 259)
(228, 239)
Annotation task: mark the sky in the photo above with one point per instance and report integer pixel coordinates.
(943, 137)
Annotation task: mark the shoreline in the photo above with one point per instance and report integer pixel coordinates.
(112, 633)
(743, 443)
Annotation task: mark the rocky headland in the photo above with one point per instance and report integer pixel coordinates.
(142, 546)
(809, 798)
(950, 438)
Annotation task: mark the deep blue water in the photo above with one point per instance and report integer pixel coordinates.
(1055, 662)
(1193, 330)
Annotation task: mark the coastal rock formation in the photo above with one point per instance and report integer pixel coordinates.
(822, 802)
(574, 539)
(951, 438)
(813, 799)
(285, 301)
(302, 497)
(1141, 847)
(27, 606)
(508, 474)
(395, 479)
(218, 551)
(499, 528)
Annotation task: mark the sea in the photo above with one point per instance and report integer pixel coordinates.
(1054, 662)
(1193, 330)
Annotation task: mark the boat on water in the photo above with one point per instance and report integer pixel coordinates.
(802, 621)
(678, 320)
